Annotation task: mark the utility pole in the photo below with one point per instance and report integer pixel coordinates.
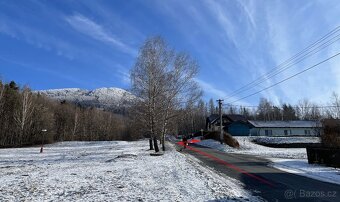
(221, 120)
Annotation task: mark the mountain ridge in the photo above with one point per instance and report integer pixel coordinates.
(108, 98)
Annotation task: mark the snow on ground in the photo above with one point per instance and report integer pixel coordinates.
(110, 171)
(293, 160)
(286, 140)
(248, 147)
(301, 167)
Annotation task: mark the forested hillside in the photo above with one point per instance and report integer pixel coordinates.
(23, 116)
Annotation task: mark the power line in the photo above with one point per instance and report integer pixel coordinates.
(310, 53)
(296, 55)
(294, 75)
(283, 66)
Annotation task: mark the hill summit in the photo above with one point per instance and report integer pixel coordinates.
(113, 99)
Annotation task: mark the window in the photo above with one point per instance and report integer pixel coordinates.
(307, 132)
(288, 132)
(268, 132)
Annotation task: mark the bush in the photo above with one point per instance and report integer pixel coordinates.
(227, 138)
(331, 135)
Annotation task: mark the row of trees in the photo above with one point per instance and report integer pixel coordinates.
(304, 110)
(23, 116)
(169, 101)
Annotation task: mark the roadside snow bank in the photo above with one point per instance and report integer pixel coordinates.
(248, 147)
(293, 160)
(301, 167)
(110, 171)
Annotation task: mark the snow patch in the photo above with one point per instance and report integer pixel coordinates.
(301, 167)
(248, 147)
(287, 140)
(110, 171)
(293, 160)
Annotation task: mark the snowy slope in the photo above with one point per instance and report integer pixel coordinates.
(109, 98)
(110, 171)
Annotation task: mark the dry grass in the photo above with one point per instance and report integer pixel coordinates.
(227, 138)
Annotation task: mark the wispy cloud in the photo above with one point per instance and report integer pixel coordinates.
(123, 74)
(286, 38)
(209, 88)
(90, 28)
(214, 92)
(38, 38)
(225, 22)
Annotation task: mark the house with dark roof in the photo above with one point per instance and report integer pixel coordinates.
(234, 124)
(285, 128)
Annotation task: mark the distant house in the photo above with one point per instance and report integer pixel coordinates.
(285, 128)
(238, 128)
(235, 124)
(212, 122)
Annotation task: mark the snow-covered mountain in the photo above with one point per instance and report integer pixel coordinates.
(107, 98)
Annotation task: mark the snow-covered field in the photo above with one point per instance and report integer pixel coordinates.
(292, 160)
(286, 140)
(110, 171)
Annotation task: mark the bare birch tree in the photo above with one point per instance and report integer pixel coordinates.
(307, 110)
(164, 82)
(23, 114)
(212, 109)
(180, 89)
(75, 123)
(147, 79)
(2, 90)
(335, 101)
(304, 109)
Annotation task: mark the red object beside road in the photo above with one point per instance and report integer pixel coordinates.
(189, 141)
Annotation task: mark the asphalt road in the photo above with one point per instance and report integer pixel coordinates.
(263, 180)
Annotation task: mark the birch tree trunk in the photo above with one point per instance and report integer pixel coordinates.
(76, 123)
(23, 114)
(2, 90)
(164, 82)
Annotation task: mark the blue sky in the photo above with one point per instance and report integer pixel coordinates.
(91, 44)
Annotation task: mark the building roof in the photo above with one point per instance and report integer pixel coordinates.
(212, 118)
(236, 117)
(230, 117)
(285, 124)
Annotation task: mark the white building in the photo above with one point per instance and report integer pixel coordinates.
(285, 128)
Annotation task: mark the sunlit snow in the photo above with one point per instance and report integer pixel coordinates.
(293, 160)
(110, 171)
